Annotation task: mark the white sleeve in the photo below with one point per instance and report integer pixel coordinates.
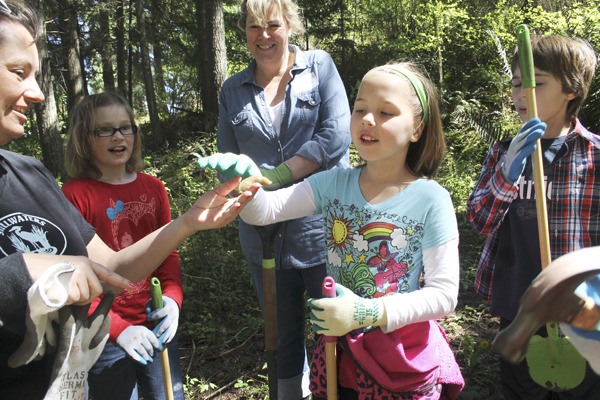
(280, 205)
(438, 296)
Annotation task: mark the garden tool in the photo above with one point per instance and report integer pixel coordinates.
(330, 346)
(157, 302)
(553, 362)
(267, 235)
(551, 298)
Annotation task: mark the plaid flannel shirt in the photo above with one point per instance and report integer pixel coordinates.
(573, 210)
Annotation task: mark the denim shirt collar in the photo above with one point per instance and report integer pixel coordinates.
(300, 63)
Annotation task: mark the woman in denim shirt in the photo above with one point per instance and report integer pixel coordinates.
(288, 111)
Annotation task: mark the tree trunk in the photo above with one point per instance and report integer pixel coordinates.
(159, 76)
(106, 44)
(121, 49)
(69, 30)
(157, 136)
(46, 114)
(213, 53)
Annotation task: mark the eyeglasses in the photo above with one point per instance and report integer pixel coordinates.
(4, 7)
(125, 130)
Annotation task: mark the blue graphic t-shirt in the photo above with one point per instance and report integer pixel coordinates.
(377, 249)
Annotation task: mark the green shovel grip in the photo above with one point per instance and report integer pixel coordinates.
(525, 57)
(156, 293)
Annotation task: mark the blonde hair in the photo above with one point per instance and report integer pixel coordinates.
(258, 10)
(79, 160)
(426, 154)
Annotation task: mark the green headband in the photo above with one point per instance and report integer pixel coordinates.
(416, 84)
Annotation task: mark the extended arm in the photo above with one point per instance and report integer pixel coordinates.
(284, 204)
(212, 210)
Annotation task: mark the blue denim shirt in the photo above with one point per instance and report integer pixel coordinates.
(315, 125)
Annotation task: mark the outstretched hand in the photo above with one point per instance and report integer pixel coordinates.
(214, 209)
(231, 165)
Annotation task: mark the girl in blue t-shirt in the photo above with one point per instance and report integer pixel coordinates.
(392, 244)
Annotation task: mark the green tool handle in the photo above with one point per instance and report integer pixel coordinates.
(528, 83)
(156, 293)
(525, 57)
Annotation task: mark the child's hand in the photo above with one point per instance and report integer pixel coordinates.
(521, 147)
(139, 343)
(167, 318)
(346, 312)
(215, 209)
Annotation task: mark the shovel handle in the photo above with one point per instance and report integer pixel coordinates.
(528, 83)
(328, 290)
(157, 302)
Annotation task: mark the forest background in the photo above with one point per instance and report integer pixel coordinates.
(170, 57)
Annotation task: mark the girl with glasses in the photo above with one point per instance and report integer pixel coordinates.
(103, 157)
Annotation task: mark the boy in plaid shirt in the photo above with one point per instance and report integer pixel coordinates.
(502, 205)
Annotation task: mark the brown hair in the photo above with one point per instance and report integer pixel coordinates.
(79, 160)
(426, 154)
(570, 60)
(259, 10)
(20, 13)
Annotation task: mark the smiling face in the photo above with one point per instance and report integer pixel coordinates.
(112, 153)
(551, 100)
(268, 39)
(383, 118)
(19, 64)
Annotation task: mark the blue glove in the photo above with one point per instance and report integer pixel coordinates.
(230, 165)
(521, 147)
(589, 288)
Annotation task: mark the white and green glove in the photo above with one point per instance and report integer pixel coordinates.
(80, 342)
(44, 298)
(336, 316)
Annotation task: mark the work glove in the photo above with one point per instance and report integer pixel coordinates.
(336, 316)
(521, 147)
(166, 318)
(587, 342)
(279, 176)
(81, 341)
(139, 343)
(231, 165)
(44, 299)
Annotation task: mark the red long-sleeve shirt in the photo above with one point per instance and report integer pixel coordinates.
(122, 215)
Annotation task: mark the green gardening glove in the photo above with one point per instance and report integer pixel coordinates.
(231, 165)
(279, 176)
(336, 316)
